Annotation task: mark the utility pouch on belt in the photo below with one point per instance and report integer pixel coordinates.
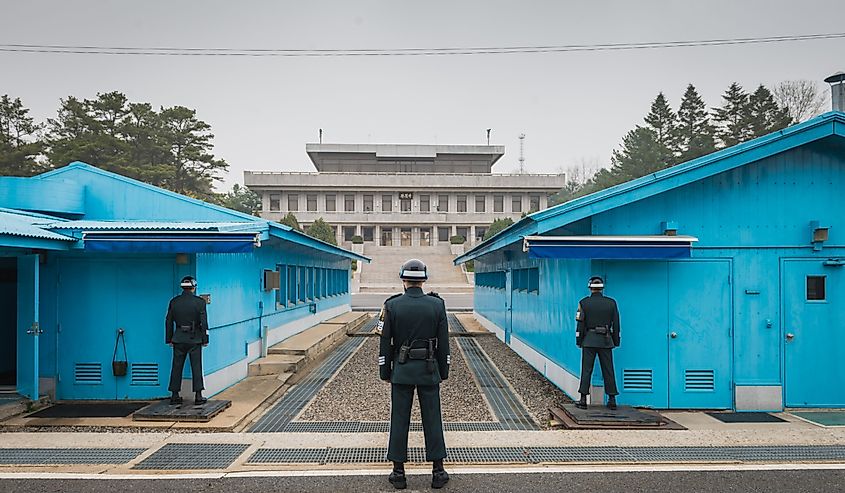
(602, 330)
(190, 329)
(402, 357)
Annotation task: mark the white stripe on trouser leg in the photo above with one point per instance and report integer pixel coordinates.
(381, 360)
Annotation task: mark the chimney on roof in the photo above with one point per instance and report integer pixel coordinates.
(837, 90)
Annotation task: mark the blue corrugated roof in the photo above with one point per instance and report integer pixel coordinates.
(28, 226)
(156, 226)
(831, 123)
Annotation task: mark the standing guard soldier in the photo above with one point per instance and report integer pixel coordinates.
(414, 354)
(597, 333)
(186, 330)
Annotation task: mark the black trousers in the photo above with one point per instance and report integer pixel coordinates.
(588, 358)
(402, 396)
(180, 352)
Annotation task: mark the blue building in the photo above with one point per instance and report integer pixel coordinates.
(728, 269)
(85, 253)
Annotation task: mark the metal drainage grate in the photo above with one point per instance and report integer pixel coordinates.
(193, 456)
(44, 456)
(295, 400)
(289, 456)
(455, 325)
(506, 405)
(369, 326)
(482, 455)
(323, 427)
(356, 455)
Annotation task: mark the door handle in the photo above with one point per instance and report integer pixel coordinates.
(673, 335)
(790, 336)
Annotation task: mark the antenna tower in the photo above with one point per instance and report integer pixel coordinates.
(521, 154)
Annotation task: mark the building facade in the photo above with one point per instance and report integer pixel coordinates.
(87, 256)
(729, 272)
(402, 195)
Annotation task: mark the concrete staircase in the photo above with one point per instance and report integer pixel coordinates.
(382, 274)
(296, 352)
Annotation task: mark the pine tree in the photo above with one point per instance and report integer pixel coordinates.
(642, 153)
(695, 132)
(321, 230)
(765, 116)
(663, 121)
(291, 220)
(20, 145)
(732, 118)
(497, 226)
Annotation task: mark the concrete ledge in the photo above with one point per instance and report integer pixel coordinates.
(276, 364)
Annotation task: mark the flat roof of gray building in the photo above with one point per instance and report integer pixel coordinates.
(404, 157)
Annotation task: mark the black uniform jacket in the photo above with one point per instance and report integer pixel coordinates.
(594, 311)
(414, 315)
(187, 320)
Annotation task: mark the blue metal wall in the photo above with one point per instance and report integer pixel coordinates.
(751, 219)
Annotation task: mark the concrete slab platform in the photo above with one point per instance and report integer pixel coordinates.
(596, 417)
(246, 397)
(346, 318)
(188, 411)
(276, 364)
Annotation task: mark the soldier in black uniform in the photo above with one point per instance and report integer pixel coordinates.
(597, 333)
(414, 354)
(186, 330)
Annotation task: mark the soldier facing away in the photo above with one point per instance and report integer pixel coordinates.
(414, 354)
(186, 330)
(597, 333)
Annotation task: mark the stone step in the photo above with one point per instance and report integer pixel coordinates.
(276, 364)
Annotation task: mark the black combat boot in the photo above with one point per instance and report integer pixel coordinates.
(611, 402)
(175, 399)
(397, 476)
(582, 403)
(439, 477)
(199, 399)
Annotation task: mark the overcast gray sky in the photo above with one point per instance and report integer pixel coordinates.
(571, 106)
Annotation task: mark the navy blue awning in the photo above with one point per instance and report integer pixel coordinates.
(609, 247)
(171, 242)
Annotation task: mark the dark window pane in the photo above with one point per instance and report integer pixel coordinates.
(816, 288)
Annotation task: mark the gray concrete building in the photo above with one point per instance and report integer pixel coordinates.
(402, 195)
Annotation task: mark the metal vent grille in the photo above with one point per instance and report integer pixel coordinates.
(88, 373)
(145, 374)
(700, 380)
(637, 380)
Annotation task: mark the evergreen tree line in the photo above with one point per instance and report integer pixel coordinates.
(167, 147)
(670, 137)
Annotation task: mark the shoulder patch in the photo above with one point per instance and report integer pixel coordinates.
(579, 314)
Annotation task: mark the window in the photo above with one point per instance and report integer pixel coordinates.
(425, 203)
(311, 203)
(462, 203)
(275, 201)
(462, 232)
(442, 234)
(498, 203)
(302, 285)
(516, 203)
(310, 284)
(367, 233)
(349, 202)
(480, 203)
(348, 233)
(405, 205)
(494, 280)
(282, 292)
(480, 231)
(443, 203)
(293, 202)
(387, 203)
(816, 288)
(533, 203)
(368, 203)
(291, 291)
(526, 280)
(331, 202)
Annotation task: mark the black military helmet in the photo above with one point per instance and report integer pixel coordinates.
(188, 282)
(413, 270)
(596, 282)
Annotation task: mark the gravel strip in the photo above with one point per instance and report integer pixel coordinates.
(357, 394)
(536, 391)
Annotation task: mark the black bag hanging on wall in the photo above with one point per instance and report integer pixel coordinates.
(118, 367)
